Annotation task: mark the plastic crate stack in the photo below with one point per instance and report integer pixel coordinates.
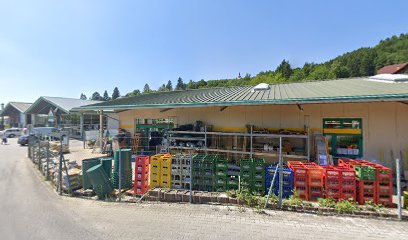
(233, 177)
(332, 182)
(176, 171)
(315, 181)
(300, 179)
(160, 171)
(366, 182)
(288, 176)
(141, 184)
(339, 182)
(221, 174)
(384, 185)
(204, 172)
(252, 174)
(180, 171)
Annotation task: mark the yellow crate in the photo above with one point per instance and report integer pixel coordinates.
(156, 159)
(155, 176)
(166, 161)
(165, 181)
(154, 183)
(165, 170)
(155, 169)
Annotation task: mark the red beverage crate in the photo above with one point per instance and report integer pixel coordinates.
(345, 162)
(366, 191)
(142, 160)
(348, 183)
(315, 193)
(315, 176)
(300, 181)
(140, 190)
(142, 175)
(293, 163)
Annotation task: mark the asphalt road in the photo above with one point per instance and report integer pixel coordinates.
(30, 209)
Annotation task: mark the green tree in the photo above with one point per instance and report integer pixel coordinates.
(106, 96)
(146, 88)
(163, 88)
(135, 92)
(115, 93)
(169, 86)
(96, 97)
(83, 97)
(180, 84)
(285, 69)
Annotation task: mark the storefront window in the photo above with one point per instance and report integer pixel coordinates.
(344, 136)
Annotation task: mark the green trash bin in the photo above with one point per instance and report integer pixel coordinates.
(87, 164)
(107, 166)
(99, 180)
(126, 168)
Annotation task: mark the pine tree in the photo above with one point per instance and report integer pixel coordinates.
(83, 97)
(115, 93)
(285, 69)
(106, 96)
(146, 88)
(96, 97)
(169, 86)
(180, 84)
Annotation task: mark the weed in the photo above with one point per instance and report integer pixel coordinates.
(345, 206)
(371, 206)
(326, 202)
(294, 200)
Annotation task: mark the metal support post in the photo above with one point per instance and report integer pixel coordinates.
(398, 172)
(205, 139)
(39, 155)
(251, 141)
(101, 129)
(191, 178)
(280, 173)
(120, 174)
(271, 187)
(48, 161)
(60, 168)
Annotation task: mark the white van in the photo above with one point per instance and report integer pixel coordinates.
(13, 132)
(45, 132)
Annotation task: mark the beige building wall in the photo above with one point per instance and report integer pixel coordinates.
(385, 124)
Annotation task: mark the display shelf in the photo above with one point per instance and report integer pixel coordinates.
(251, 135)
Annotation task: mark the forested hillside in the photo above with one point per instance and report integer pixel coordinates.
(361, 62)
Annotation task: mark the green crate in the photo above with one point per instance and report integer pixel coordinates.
(246, 164)
(259, 165)
(365, 172)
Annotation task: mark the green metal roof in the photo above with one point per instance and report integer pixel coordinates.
(43, 105)
(15, 106)
(340, 90)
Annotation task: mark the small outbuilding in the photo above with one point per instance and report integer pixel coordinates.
(15, 111)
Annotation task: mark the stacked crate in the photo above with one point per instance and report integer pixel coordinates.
(165, 171)
(233, 177)
(155, 170)
(288, 176)
(366, 179)
(332, 182)
(384, 185)
(185, 171)
(315, 181)
(180, 171)
(221, 174)
(348, 183)
(252, 173)
(176, 171)
(141, 184)
(204, 172)
(300, 179)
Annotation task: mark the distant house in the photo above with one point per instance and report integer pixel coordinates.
(15, 111)
(394, 69)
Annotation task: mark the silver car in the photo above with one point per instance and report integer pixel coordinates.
(13, 132)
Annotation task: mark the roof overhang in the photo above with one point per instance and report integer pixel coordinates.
(10, 109)
(318, 100)
(44, 106)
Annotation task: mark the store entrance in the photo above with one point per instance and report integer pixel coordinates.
(344, 137)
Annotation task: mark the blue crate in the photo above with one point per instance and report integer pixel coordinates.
(288, 177)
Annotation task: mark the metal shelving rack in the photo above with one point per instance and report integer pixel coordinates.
(251, 135)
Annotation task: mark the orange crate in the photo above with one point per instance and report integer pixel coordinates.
(366, 191)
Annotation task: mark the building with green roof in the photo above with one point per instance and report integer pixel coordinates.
(360, 117)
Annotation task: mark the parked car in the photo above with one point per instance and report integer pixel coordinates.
(13, 132)
(23, 140)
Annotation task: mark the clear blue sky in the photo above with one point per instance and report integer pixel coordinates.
(65, 48)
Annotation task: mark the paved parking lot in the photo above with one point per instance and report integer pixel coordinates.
(30, 209)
